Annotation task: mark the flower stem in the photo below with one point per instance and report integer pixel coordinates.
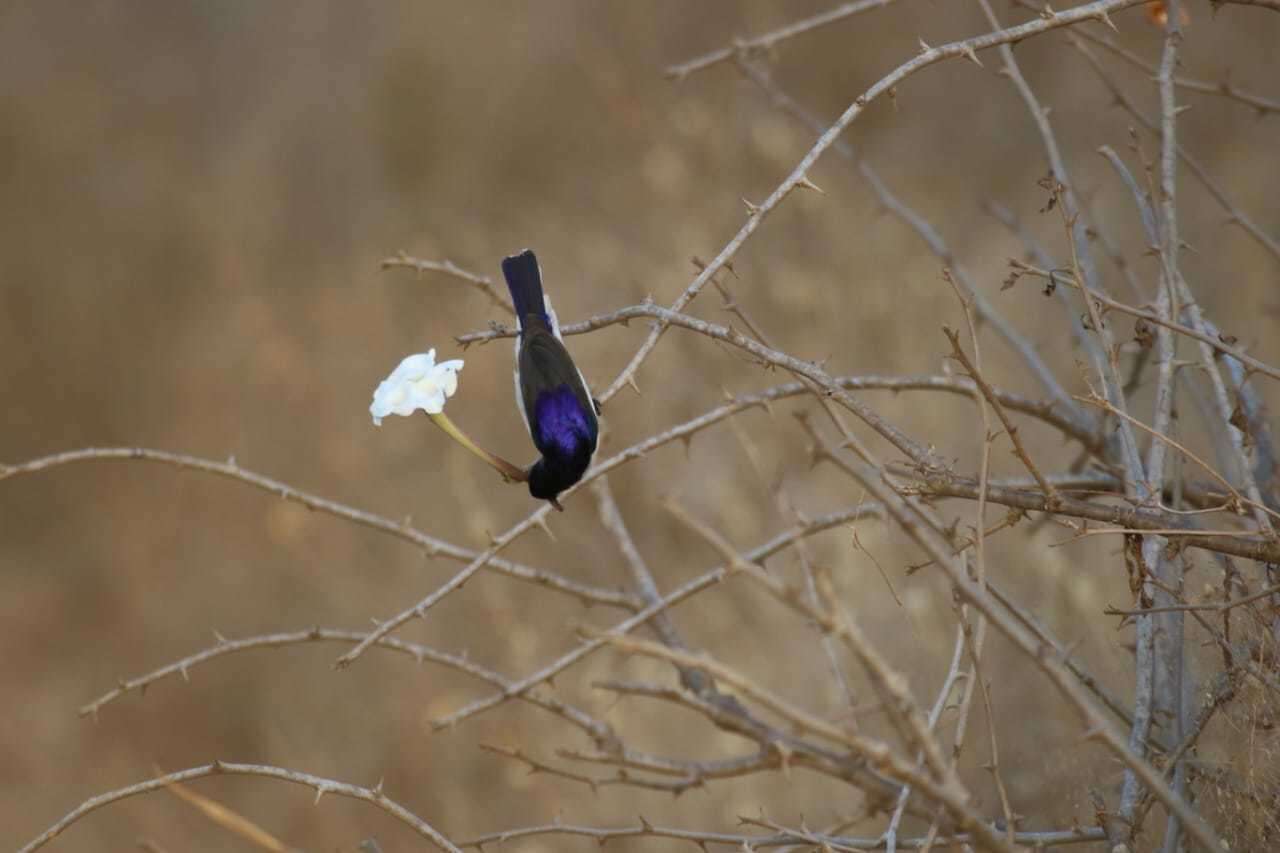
(508, 471)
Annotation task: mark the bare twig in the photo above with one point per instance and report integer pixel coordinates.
(645, 829)
(934, 479)
(1220, 607)
(689, 588)
(1219, 344)
(890, 684)
(799, 176)
(230, 469)
(597, 730)
(481, 282)
(1097, 726)
(770, 40)
(321, 785)
(641, 577)
(1018, 342)
(1225, 89)
(1019, 450)
(946, 792)
(1273, 5)
(777, 748)
(1235, 215)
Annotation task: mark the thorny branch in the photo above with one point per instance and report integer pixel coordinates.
(1143, 498)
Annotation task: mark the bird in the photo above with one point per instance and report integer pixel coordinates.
(552, 394)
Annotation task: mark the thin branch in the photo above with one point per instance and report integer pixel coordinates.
(1018, 342)
(599, 731)
(1234, 214)
(799, 176)
(645, 829)
(1097, 726)
(1019, 450)
(680, 593)
(641, 577)
(230, 469)
(1063, 194)
(834, 621)
(800, 719)
(936, 480)
(1220, 607)
(770, 40)
(976, 637)
(953, 677)
(778, 748)
(1224, 89)
(321, 785)
(1133, 518)
(537, 765)
(481, 282)
(1273, 5)
(1237, 501)
(950, 794)
(689, 588)
(1220, 343)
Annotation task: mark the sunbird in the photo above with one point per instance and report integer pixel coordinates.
(551, 392)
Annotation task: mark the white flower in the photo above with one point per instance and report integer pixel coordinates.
(418, 383)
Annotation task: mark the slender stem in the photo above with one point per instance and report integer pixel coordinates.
(508, 471)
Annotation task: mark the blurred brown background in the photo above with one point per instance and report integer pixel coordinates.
(197, 199)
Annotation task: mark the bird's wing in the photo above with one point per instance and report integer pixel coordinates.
(546, 365)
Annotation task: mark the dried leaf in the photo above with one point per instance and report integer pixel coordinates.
(1143, 333)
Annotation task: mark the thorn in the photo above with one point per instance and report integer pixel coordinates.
(784, 758)
(217, 635)
(1177, 111)
(924, 47)
(319, 793)
(1106, 19)
(810, 185)
(972, 55)
(752, 209)
(631, 380)
(546, 528)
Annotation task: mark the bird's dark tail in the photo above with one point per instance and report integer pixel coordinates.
(524, 280)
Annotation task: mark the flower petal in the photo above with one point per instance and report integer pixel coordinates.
(416, 383)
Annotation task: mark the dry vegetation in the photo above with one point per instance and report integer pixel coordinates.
(936, 506)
